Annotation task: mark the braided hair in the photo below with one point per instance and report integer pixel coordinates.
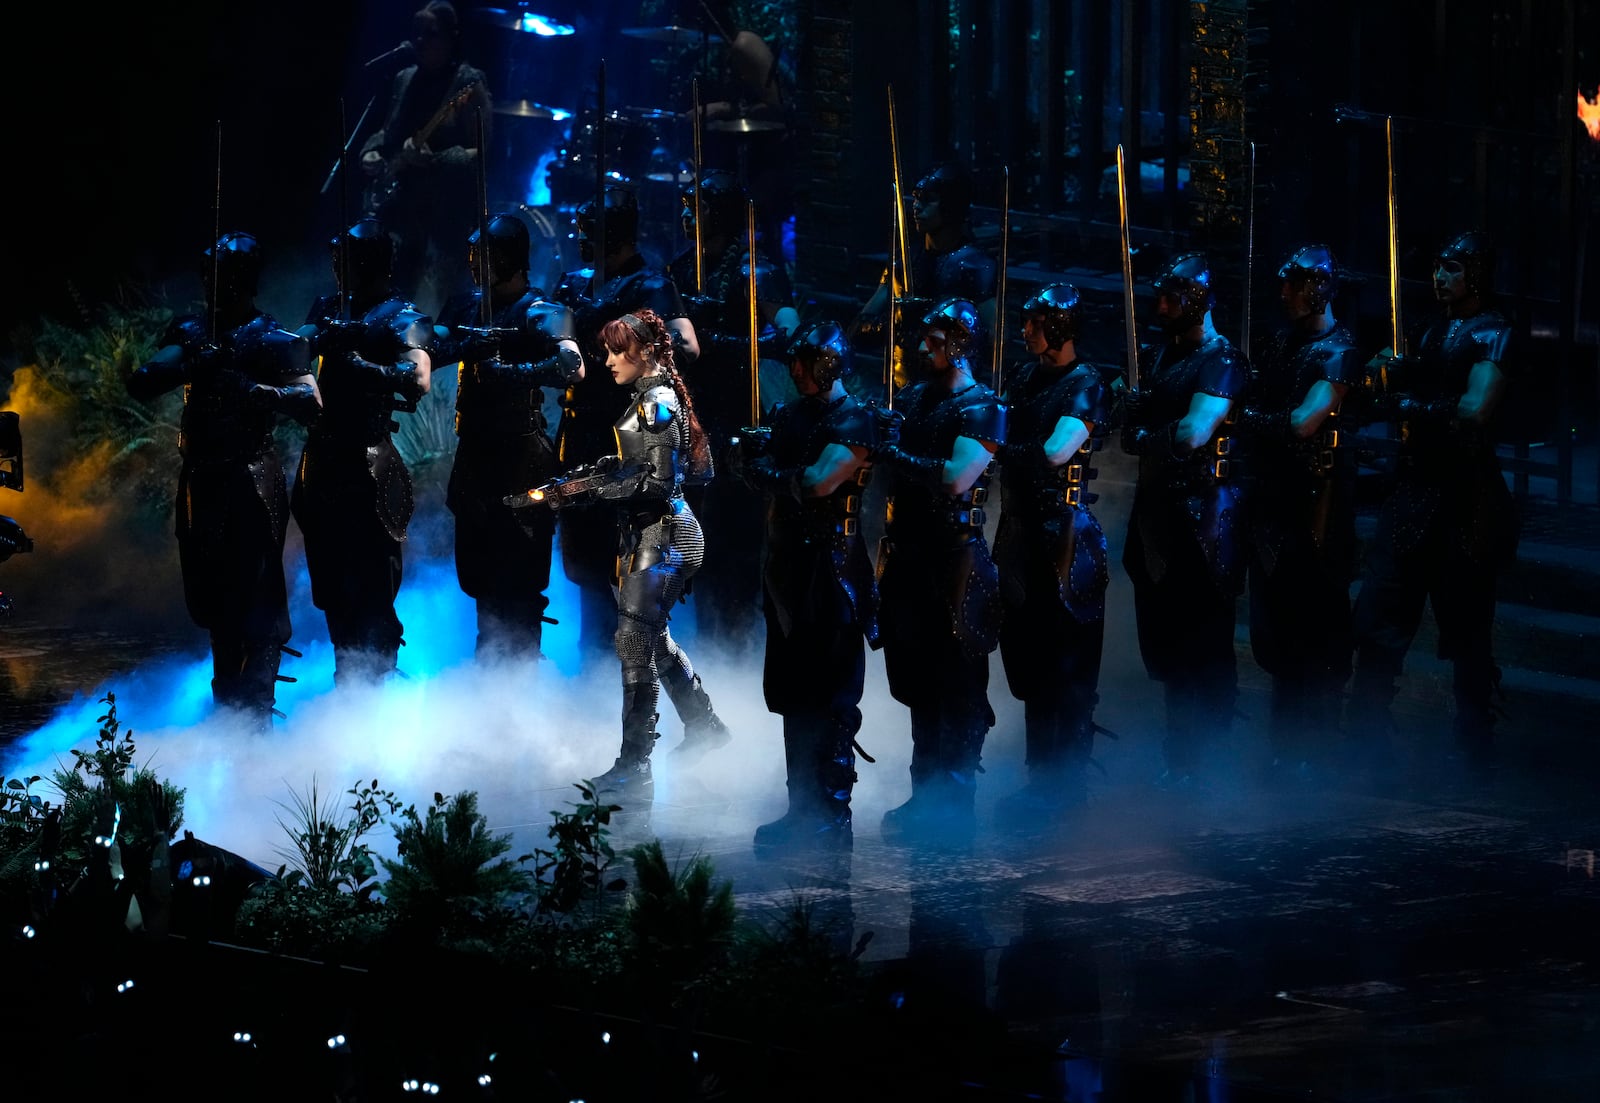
(644, 331)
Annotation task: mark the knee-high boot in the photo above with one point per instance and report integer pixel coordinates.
(629, 781)
(819, 788)
(703, 729)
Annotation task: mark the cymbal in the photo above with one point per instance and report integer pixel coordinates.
(745, 126)
(519, 18)
(527, 109)
(673, 35)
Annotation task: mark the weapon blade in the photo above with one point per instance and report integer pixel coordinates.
(600, 178)
(1249, 249)
(699, 246)
(998, 370)
(755, 325)
(1132, 332)
(1394, 244)
(900, 222)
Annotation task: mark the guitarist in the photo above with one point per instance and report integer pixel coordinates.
(422, 165)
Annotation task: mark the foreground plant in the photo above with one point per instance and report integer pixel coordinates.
(446, 880)
(574, 868)
(321, 901)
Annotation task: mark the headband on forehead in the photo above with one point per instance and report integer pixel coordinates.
(640, 330)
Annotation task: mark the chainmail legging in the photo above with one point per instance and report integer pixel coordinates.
(674, 549)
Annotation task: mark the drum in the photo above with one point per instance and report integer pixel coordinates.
(640, 145)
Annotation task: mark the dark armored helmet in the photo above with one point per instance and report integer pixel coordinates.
(363, 255)
(1056, 311)
(824, 351)
(234, 263)
(1474, 252)
(961, 324)
(723, 204)
(951, 186)
(1188, 277)
(1313, 267)
(510, 245)
(622, 221)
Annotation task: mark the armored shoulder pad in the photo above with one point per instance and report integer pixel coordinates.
(1491, 335)
(285, 354)
(1089, 396)
(1224, 373)
(1341, 363)
(772, 282)
(660, 294)
(575, 287)
(186, 332)
(657, 407)
(553, 320)
(982, 416)
(853, 424)
(976, 273)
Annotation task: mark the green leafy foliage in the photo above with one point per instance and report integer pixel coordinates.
(447, 878)
(326, 852)
(323, 904)
(680, 922)
(80, 371)
(105, 793)
(574, 868)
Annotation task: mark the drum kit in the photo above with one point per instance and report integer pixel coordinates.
(643, 147)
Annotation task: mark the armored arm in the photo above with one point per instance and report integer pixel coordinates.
(590, 480)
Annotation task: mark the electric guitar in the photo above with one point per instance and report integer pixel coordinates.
(382, 187)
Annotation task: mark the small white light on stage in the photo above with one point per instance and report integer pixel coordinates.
(431, 1089)
(28, 931)
(104, 840)
(124, 986)
(483, 1081)
(605, 1037)
(242, 1037)
(694, 1055)
(336, 1041)
(202, 881)
(41, 865)
(409, 1085)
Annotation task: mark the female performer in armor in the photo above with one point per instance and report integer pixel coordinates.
(659, 546)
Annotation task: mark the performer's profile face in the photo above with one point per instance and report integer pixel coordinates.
(1296, 296)
(804, 380)
(626, 364)
(938, 345)
(1033, 335)
(1449, 281)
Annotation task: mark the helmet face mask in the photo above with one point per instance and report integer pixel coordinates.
(231, 269)
(941, 198)
(509, 248)
(722, 206)
(1183, 293)
(622, 223)
(363, 256)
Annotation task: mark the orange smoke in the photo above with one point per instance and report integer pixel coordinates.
(96, 551)
(1589, 113)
